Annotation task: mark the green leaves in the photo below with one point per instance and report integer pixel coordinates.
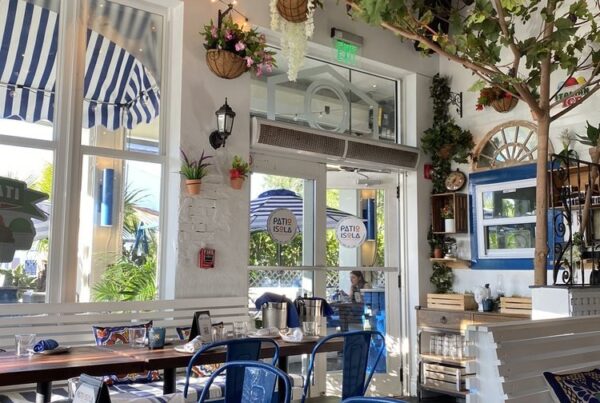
(592, 136)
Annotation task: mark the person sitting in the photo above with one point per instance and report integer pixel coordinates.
(357, 283)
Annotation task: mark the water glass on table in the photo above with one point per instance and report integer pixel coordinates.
(137, 337)
(309, 328)
(240, 329)
(24, 343)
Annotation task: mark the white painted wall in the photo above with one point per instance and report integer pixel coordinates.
(479, 123)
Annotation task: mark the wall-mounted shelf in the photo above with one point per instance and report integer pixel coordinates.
(459, 201)
(453, 263)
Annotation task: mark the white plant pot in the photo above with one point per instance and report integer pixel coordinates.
(449, 225)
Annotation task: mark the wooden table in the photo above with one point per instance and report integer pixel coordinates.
(94, 360)
(43, 369)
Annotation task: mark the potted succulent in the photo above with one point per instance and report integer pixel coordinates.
(231, 51)
(238, 172)
(193, 171)
(502, 101)
(447, 213)
(294, 19)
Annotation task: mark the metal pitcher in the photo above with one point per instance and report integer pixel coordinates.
(310, 310)
(274, 314)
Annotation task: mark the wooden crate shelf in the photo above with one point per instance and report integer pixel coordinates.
(459, 201)
(453, 263)
(515, 306)
(453, 302)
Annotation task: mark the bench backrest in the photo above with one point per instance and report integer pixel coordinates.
(71, 323)
(512, 356)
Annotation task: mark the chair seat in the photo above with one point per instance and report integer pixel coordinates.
(321, 399)
(154, 391)
(22, 396)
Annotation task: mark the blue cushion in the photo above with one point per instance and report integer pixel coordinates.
(575, 387)
(155, 389)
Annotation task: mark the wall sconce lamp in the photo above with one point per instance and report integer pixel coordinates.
(225, 118)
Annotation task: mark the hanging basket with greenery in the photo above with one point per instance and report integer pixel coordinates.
(502, 101)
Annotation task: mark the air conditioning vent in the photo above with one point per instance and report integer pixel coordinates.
(325, 146)
(300, 140)
(384, 155)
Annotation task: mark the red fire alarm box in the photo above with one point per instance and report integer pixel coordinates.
(206, 258)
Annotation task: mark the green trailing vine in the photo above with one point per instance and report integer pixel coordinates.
(445, 141)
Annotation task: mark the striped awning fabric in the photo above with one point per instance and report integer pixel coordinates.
(118, 90)
(271, 200)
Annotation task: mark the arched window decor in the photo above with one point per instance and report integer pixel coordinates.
(511, 143)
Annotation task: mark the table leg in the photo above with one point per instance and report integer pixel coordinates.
(169, 380)
(283, 365)
(43, 392)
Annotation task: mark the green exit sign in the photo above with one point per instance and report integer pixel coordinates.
(346, 52)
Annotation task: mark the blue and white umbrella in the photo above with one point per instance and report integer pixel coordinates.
(271, 200)
(119, 91)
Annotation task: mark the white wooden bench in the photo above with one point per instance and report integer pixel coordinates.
(71, 324)
(512, 356)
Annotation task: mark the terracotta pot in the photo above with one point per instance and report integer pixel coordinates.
(236, 183)
(193, 186)
(225, 64)
(445, 151)
(293, 10)
(505, 104)
(438, 253)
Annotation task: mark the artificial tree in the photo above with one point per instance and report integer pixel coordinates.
(474, 34)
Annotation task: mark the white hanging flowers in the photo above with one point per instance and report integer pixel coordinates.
(295, 35)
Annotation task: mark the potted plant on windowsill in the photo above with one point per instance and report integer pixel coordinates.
(231, 51)
(448, 216)
(499, 99)
(238, 172)
(193, 171)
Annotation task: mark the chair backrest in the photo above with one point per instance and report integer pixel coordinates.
(237, 350)
(356, 374)
(258, 384)
(362, 399)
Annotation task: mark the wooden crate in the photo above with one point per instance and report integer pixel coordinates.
(454, 302)
(459, 201)
(515, 306)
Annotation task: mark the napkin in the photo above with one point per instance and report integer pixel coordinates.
(193, 346)
(295, 335)
(270, 331)
(45, 345)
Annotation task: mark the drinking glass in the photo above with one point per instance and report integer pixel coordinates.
(309, 328)
(137, 337)
(240, 329)
(218, 333)
(24, 343)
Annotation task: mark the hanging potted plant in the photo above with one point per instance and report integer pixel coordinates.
(238, 172)
(231, 51)
(502, 101)
(294, 19)
(448, 216)
(193, 171)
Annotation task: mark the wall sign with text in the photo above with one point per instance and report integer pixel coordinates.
(351, 232)
(282, 225)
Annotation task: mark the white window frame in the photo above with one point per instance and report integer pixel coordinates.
(68, 150)
(482, 223)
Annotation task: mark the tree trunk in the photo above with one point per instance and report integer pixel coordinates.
(541, 201)
(595, 156)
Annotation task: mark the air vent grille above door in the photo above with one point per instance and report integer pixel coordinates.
(325, 146)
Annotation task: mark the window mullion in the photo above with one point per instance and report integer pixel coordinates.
(70, 70)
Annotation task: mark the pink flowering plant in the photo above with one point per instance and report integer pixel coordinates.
(250, 45)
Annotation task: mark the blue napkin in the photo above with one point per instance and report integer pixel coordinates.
(45, 345)
(292, 315)
(326, 309)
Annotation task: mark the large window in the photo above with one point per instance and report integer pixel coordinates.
(104, 181)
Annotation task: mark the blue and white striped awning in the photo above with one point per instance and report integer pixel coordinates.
(118, 90)
(267, 202)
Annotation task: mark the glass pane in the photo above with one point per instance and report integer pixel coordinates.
(513, 236)
(374, 102)
(123, 75)
(24, 242)
(119, 230)
(509, 203)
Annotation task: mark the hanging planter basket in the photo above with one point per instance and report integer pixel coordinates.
(505, 104)
(293, 10)
(225, 64)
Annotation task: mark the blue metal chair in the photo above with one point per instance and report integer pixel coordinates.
(356, 358)
(237, 350)
(256, 386)
(372, 400)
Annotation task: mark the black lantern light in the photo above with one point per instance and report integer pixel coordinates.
(225, 118)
